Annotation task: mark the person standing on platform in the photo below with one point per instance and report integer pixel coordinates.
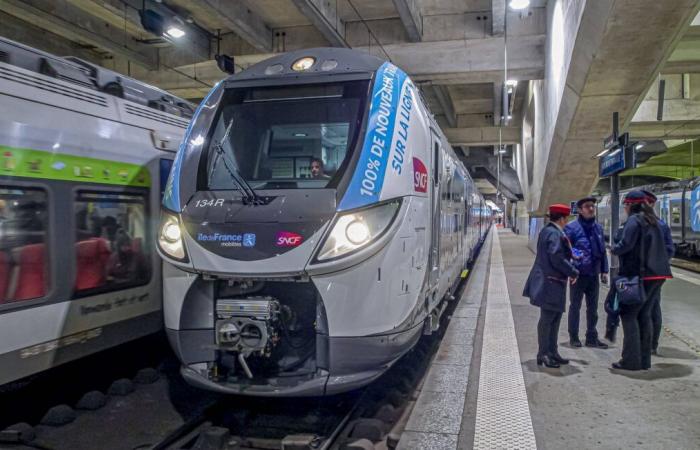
(586, 236)
(642, 254)
(656, 306)
(546, 284)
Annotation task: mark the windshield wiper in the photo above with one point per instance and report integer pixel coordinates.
(249, 194)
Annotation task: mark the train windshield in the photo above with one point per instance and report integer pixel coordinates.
(290, 137)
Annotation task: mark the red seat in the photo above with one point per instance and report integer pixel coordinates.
(92, 255)
(4, 275)
(31, 263)
(137, 245)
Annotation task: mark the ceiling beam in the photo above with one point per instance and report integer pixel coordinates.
(482, 135)
(79, 29)
(242, 21)
(124, 15)
(648, 131)
(498, 17)
(410, 15)
(324, 16)
(445, 101)
(675, 67)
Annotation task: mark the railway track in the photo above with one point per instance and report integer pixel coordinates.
(688, 264)
(164, 413)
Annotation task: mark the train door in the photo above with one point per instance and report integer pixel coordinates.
(434, 255)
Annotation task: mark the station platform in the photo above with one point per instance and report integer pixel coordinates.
(485, 390)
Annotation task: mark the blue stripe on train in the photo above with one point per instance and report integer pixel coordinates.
(366, 184)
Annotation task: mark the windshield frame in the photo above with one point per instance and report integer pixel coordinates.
(340, 179)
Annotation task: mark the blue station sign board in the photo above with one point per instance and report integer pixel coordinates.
(612, 163)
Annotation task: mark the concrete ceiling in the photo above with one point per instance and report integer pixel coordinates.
(452, 48)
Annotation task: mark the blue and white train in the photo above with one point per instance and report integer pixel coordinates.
(316, 222)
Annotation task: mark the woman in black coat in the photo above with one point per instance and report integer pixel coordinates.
(642, 254)
(546, 284)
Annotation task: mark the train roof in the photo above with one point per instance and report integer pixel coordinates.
(88, 75)
(326, 62)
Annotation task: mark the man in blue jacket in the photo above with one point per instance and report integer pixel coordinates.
(546, 284)
(586, 236)
(656, 306)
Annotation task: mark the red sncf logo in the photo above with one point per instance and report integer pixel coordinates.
(288, 239)
(420, 176)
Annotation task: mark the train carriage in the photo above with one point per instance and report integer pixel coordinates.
(81, 177)
(315, 220)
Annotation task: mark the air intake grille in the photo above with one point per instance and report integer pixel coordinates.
(39, 82)
(155, 115)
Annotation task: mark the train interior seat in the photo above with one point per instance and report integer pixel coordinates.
(31, 267)
(92, 255)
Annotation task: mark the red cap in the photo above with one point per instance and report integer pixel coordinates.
(558, 208)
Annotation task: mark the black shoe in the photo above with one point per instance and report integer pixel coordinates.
(548, 361)
(610, 334)
(558, 358)
(655, 352)
(618, 365)
(596, 343)
(575, 342)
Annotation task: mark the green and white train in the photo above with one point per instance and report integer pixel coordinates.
(81, 177)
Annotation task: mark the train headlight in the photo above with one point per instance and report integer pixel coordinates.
(356, 229)
(170, 238)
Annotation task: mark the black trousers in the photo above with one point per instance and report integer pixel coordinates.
(588, 286)
(656, 317)
(637, 326)
(548, 332)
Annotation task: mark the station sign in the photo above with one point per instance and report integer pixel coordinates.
(612, 163)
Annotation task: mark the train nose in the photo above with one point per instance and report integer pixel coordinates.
(275, 238)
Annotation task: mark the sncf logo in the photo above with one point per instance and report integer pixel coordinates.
(420, 176)
(288, 239)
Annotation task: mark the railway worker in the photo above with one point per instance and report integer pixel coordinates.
(546, 284)
(586, 236)
(317, 169)
(656, 307)
(642, 254)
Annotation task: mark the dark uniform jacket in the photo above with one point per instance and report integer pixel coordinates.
(629, 249)
(546, 285)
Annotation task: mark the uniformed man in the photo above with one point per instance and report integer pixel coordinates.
(586, 236)
(546, 284)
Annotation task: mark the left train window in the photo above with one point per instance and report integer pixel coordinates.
(24, 267)
(111, 247)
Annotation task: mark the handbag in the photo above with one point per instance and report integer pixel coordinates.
(630, 290)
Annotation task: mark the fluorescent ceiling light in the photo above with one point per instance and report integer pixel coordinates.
(519, 4)
(300, 134)
(601, 154)
(175, 32)
(638, 146)
(512, 83)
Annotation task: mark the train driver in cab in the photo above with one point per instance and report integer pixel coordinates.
(317, 170)
(546, 284)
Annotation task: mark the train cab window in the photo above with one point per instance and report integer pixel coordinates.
(111, 245)
(24, 263)
(284, 137)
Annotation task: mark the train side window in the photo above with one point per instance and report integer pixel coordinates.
(111, 247)
(676, 215)
(24, 262)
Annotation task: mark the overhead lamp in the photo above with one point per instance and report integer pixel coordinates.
(512, 83)
(175, 32)
(601, 153)
(519, 4)
(502, 151)
(639, 145)
(300, 135)
(175, 28)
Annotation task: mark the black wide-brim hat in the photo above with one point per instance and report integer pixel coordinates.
(586, 199)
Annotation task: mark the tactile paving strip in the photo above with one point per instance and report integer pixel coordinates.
(502, 411)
